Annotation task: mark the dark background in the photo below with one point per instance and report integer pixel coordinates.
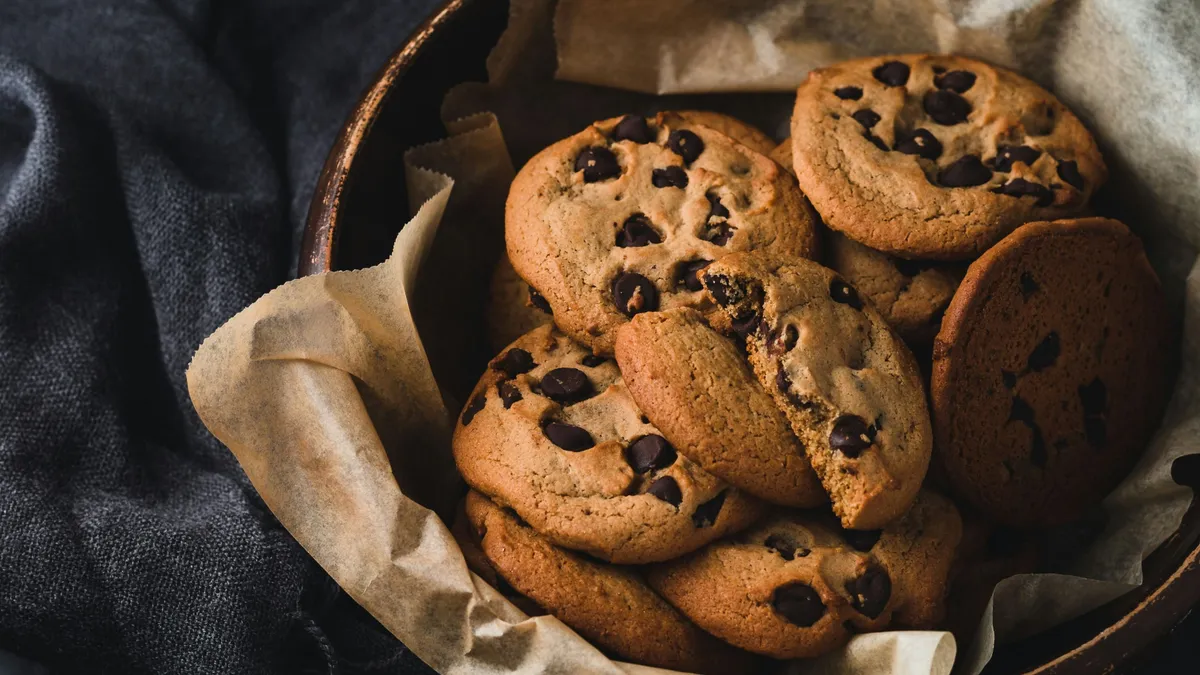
(156, 163)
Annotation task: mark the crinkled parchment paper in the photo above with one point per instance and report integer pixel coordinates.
(337, 392)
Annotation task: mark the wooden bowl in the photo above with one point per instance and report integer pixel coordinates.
(360, 204)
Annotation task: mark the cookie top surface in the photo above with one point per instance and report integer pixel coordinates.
(846, 382)
(797, 585)
(937, 156)
(695, 385)
(552, 432)
(614, 220)
(1050, 370)
(609, 605)
(911, 295)
(513, 308)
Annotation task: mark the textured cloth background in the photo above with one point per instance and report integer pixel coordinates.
(156, 163)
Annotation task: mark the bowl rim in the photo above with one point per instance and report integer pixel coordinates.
(1128, 636)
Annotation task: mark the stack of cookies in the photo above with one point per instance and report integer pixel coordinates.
(724, 365)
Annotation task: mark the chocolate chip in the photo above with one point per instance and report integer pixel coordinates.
(955, 80)
(869, 594)
(1007, 155)
(666, 489)
(650, 453)
(1069, 171)
(746, 323)
(508, 393)
(567, 385)
(798, 603)
(637, 231)
(1019, 187)
(689, 274)
(706, 514)
(875, 140)
(633, 128)
(671, 176)
(920, 143)
(473, 407)
(568, 437)
(715, 208)
(1029, 285)
(866, 117)
(1094, 397)
(591, 360)
(862, 540)
(720, 289)
(685, 144)
(538, 300)
(892, 73)
(597, 164)
(721, 234)
(966, 171)
(1009, 377)
(514, 362)
(844, 293)
(1045, 354)
(781, 545)
(851, 435)
(946, 107)
(848, 93)
(634, 293)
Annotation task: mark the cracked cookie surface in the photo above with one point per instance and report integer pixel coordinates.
(695, 386)
(617, 219)
(552, 432)
(1050, 370)
(937, 156)
(847, 383)
(797, 585)
(611, 606)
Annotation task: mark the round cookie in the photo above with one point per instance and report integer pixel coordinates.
(937, 156)
(610, 606)
(846, 382)
(552, 432)
(615, 220)
(695, 386)
(798, 586)
(911, 295)
(513, 307)
(1050, 371)
(748, 135)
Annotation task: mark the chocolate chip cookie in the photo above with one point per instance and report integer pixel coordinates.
(846, 382)
(609, 605)
(797, 585)
(615, 220)
(695, 386)
(911, 295)
(552, 432)
(1051, 370)
(937, 156)
(513, 307)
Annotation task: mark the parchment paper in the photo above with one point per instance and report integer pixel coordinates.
(337, 392)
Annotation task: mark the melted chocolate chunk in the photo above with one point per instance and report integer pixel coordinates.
(920, 143)
(634, 294)
(637, 231)
(538, 300)
(591, 360)
(1007, 155)
(514, 362)
(869, 594)
(685, 144)
(844, 293)
(851, 435)
(473, 407)
(892, 73)
(633, 128)
(798, 603)
(866, 117)
(706, 514)
(650, 453)
(509, 394)
(782, 545)
(715, 208)
(671, 176)
(1045, 354)
(597, 164)
(966, 171)
(568, 437)
(1069, 171)
(848, 93)
(1019, 187)
(946, 107)
(721, 234)
(689, 274)
(955, 80)
(567, 385)
(666, 489)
